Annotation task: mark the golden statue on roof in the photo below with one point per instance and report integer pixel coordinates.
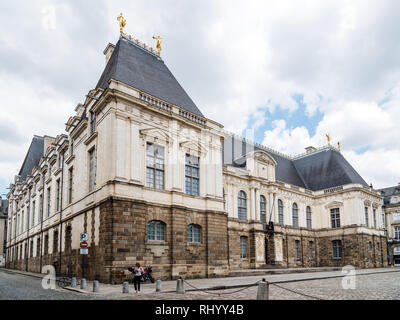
(329, 138)
(122, 23)
(158, 43)
(338, 144)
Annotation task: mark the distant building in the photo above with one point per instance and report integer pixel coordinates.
(150, 179)
(391, 209)
(3, 230)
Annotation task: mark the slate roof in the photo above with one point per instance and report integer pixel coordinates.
(319, 170)
(142, 70)
(387, 193)
(32, 158)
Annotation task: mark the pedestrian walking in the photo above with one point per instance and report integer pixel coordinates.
(138, 272)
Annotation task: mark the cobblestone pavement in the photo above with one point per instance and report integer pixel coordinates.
(14, 286)
(385, 286)
(370, 284)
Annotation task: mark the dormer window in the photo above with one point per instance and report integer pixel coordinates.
(92, 122)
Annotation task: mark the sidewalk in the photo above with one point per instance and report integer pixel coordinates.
(108, 291)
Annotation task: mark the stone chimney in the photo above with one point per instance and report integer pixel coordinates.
(108, 51)
(310, 149)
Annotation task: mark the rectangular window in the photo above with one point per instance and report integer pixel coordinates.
(71, 148)
(48, 202)
(335, 218)
(33, 212)
(154, 166)
(366, 217)
(337, 249)
(243, 247)
(192, 175)
(70, 181)
(41, 207)
(311, 250)
(397, 233)
(58, 195)
(374, 216)
(92, 170)
(92, 122)
(297, 247)
(383, 220)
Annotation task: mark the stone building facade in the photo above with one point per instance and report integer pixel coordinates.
(149, 178)
(3, 230)
(391, 218)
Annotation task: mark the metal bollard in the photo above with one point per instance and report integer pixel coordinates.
(73, 282)
(179, 286)
(83, 284)
(125, 287)
(263, 290)
(158, 286)
(95, 286)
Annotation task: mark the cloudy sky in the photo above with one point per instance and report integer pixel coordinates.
(290, 70)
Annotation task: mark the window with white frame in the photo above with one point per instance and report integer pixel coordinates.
(242, 206)
(335, 218)
(397, 233)
(243, 247)
(154, 166)
(156, 231)
(192, 176)
(263, 209)
(193, 232)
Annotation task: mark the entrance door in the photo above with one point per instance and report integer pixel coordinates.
(397, 261)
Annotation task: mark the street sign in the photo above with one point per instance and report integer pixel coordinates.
(84, 237)
(84, 244)
(84, 251)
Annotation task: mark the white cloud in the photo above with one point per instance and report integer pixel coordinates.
(235, 59)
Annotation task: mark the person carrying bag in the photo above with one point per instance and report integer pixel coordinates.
(138, 272)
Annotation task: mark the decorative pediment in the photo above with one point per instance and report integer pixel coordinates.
(334, 204)
(264, 157)
(156, 133)
(193, 145)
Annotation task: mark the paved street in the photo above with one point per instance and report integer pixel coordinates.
(370, 284)
(20, 287)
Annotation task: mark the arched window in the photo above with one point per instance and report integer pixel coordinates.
(280, 212)
(242, 206)
(156, 230)
(193, 233)
(263, 209)
(309, 221)
(295, 215)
